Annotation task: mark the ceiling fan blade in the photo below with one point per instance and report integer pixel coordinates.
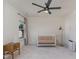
(38, 5)
(41, 10)
(49, 12)
(55, 8)
(48, 3)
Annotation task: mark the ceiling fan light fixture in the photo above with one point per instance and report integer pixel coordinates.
(46, 11)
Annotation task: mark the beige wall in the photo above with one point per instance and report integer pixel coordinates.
(70, 27)
(10, 25)
(44, 26)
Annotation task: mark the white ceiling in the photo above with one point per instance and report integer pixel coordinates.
(26, 7)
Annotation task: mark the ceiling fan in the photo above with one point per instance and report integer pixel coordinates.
(47, 8)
